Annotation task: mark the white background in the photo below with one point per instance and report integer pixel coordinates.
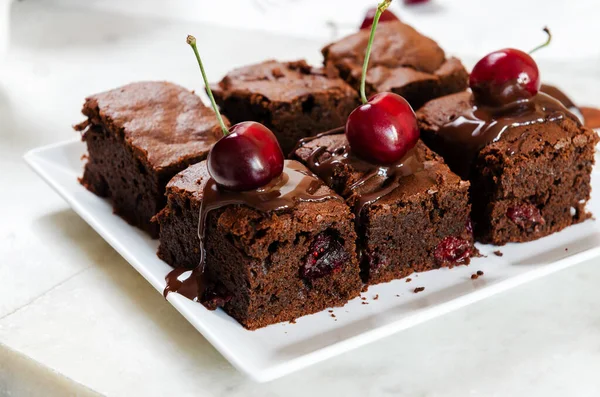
(71, 308)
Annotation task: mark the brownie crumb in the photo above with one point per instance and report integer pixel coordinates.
(474, 276)
(277, 73)
(566, 249)
(330, 311)
(376, 297)
(498, 253)
(408, 280)
(363, 298)
(419, 289)
(480, 272)
(293, 321)
(365, 303)
(332, 315)
(397, 295)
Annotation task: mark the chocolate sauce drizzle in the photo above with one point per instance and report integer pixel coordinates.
(295, 185)
(559, 95)
(460, 140)
(377, 181)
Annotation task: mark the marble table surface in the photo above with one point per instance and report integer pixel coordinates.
(76, 319)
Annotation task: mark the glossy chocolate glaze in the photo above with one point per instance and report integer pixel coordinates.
(460, 140)
(556, 93)
(377, 180)
(295, 185)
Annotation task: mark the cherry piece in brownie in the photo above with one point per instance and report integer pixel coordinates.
(138, 137)
(402, 61)
(412, 216)
(529, 163)
(267, 260)
(292, 99)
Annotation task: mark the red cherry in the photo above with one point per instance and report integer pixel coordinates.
(505, 76)
(382, 130)
(247, 158)
(386, 16)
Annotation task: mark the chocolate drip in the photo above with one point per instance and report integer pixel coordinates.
(556, 93)
(186, 286)
(295, 185)
(460, 140)
(559, 95)
(376, 182)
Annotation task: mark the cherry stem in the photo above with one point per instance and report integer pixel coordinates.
(544, 44)
(191, 40)
(363, 80)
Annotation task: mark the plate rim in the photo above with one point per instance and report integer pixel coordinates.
(34, 158)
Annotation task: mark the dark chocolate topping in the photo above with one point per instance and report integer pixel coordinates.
(473, 127)
(556, 93)
(377, 180)
(591, 116)
(295, 185)
(184, 285)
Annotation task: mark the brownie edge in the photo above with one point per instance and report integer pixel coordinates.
(266, 264)
(402, 61)
(530, 177)
(422, 223)
(138, 137)
(293, 99)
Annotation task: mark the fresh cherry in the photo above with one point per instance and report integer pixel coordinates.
(384, 128)
(506, 76)
(248, 156)
(386, 16)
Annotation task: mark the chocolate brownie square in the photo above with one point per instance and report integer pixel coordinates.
(402, 61)
(410, 217)
(293, 99)
(529, 164)
(138, 137)
(269, 262)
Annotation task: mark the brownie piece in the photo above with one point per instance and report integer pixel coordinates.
(411, 217)
(402, 61)
(271, 264)
(529, 165)
(138, 137)
(293, 99)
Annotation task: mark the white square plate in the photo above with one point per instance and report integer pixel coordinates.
(282, 348)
